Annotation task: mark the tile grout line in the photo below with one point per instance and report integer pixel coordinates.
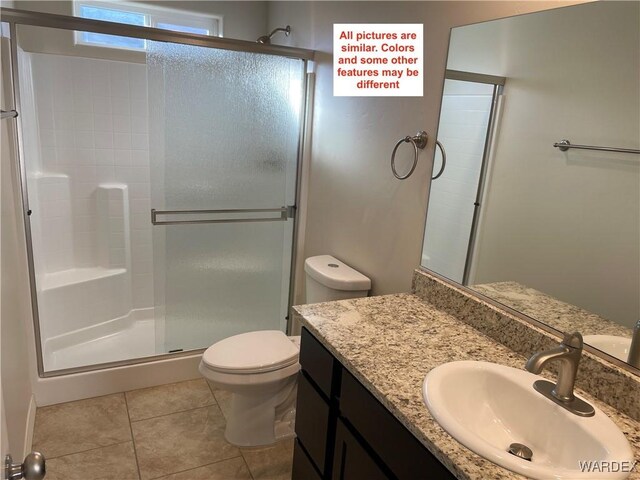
(213, 393)
(209, 387)
(199, 466)
(162, 385)
(48, 457)
(171, 413)
(133, 440)
(247, 465)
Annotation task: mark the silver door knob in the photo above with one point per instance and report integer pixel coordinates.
(33, 467)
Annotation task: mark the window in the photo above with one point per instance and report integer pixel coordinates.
(142, 15)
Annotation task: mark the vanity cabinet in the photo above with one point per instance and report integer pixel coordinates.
(345, 433)
(351, 459)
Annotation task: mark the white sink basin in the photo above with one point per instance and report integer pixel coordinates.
(488, 407)
(618, 347)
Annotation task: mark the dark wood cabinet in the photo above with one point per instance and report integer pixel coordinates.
(302, 465)
(317, 362)
(345, 433)
(312, 425)
(351, 461)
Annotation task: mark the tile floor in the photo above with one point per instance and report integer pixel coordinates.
(170, 432)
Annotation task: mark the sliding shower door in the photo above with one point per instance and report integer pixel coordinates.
(455, 198)
(224, 131)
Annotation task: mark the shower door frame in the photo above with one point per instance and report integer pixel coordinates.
(498, 84)
(14, 17)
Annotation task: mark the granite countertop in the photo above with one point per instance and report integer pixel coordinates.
(391, 342)
(549, 310)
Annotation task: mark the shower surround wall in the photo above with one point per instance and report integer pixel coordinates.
(89, 189)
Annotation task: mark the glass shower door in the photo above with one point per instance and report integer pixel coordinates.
(224, 138)
(453, 201)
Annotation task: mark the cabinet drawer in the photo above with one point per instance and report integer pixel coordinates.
(402, 453)
(316, 361)
(312, 421)
(303, 468)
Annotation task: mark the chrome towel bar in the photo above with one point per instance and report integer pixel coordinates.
(565, 145)
(284, 214)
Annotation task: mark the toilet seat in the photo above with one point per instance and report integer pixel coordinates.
(248, 379)
(251, 353)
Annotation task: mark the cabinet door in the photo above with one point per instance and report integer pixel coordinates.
(351, 460)
(303, 468)
(402, 453)
(312, 421)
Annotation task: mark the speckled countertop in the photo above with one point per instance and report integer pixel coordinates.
(549, 310)
(391, 342)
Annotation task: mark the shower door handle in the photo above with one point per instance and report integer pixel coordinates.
(237, 215)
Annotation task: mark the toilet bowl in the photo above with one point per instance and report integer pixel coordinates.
(260, 368)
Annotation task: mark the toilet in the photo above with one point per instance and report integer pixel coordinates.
(260, 368)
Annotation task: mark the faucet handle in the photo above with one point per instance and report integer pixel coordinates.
(573, 340)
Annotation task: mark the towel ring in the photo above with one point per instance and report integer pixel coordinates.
(444, 160)
(419, 141)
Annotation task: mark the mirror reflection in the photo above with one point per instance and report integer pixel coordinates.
(552, 233)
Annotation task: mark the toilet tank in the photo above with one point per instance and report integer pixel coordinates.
(327, 279)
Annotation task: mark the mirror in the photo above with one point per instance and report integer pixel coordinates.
(552, 233)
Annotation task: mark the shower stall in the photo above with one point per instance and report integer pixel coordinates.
(159, 188)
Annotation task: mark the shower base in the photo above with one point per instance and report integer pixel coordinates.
(123, 338)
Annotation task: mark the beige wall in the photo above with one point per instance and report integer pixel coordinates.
(241, 20)
(357, 210)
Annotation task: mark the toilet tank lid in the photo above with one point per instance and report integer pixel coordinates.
(332, 273)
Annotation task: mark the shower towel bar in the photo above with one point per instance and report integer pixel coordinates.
(565, 145)
(8, 114)
(285, 214)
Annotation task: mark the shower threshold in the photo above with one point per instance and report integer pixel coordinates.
(115, 340)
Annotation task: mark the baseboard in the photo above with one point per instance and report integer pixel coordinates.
(30, 425)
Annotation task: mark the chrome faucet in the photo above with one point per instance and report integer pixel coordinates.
(634, 350)
(568, 355)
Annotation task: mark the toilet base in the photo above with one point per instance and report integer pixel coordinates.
(259, 434)
(259, 420)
